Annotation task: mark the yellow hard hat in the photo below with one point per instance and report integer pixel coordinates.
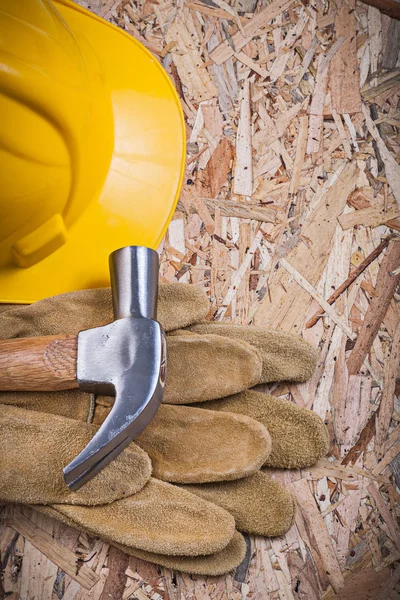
(91, 148)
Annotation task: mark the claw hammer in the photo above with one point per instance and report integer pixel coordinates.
(126, 359)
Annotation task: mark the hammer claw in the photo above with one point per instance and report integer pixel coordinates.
(105, 446)
(125, 359)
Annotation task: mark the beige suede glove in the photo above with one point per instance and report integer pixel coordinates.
(41, 432)
(185, 443)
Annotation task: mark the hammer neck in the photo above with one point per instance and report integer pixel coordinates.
(134, 282)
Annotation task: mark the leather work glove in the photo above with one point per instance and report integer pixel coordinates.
(215, 448)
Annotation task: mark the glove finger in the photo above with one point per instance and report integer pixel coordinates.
(299, 436)
(64, 314)
(34, 448)
(207, 367)
(179, 305)
(160, 518)
(258, 504)
(72, 404)
(218, 563)
(189, 445)
(285, 357)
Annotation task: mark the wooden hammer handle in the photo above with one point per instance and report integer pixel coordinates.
(41, 364)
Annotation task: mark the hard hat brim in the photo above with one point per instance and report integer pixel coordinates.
(142, 186)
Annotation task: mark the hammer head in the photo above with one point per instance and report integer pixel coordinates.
(126, 359)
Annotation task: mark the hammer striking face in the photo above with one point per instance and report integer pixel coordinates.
(126, 359)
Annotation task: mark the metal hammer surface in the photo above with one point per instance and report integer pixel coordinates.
(125, 359)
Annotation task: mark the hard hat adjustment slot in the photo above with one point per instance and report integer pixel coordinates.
(41, 242)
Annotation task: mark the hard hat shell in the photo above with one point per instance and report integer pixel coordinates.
(92, 148)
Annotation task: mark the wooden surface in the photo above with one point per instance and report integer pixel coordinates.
(46, 363)
(286, 195)
(388, 7)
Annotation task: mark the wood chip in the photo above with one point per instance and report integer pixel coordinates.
(389, 585)
(216, 172)
(344, 79)
(384, 289)
(391, 523)
(60, 555)
(391, 371)
(316, 528)
(227, 49)
(238, 276)
(243, 173)
(392, 169)
(317, 108)
(301, 144)
(369, 217)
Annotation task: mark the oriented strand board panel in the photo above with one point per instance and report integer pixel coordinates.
(304, 240)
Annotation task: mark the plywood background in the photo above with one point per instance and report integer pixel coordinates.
(292, 193)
